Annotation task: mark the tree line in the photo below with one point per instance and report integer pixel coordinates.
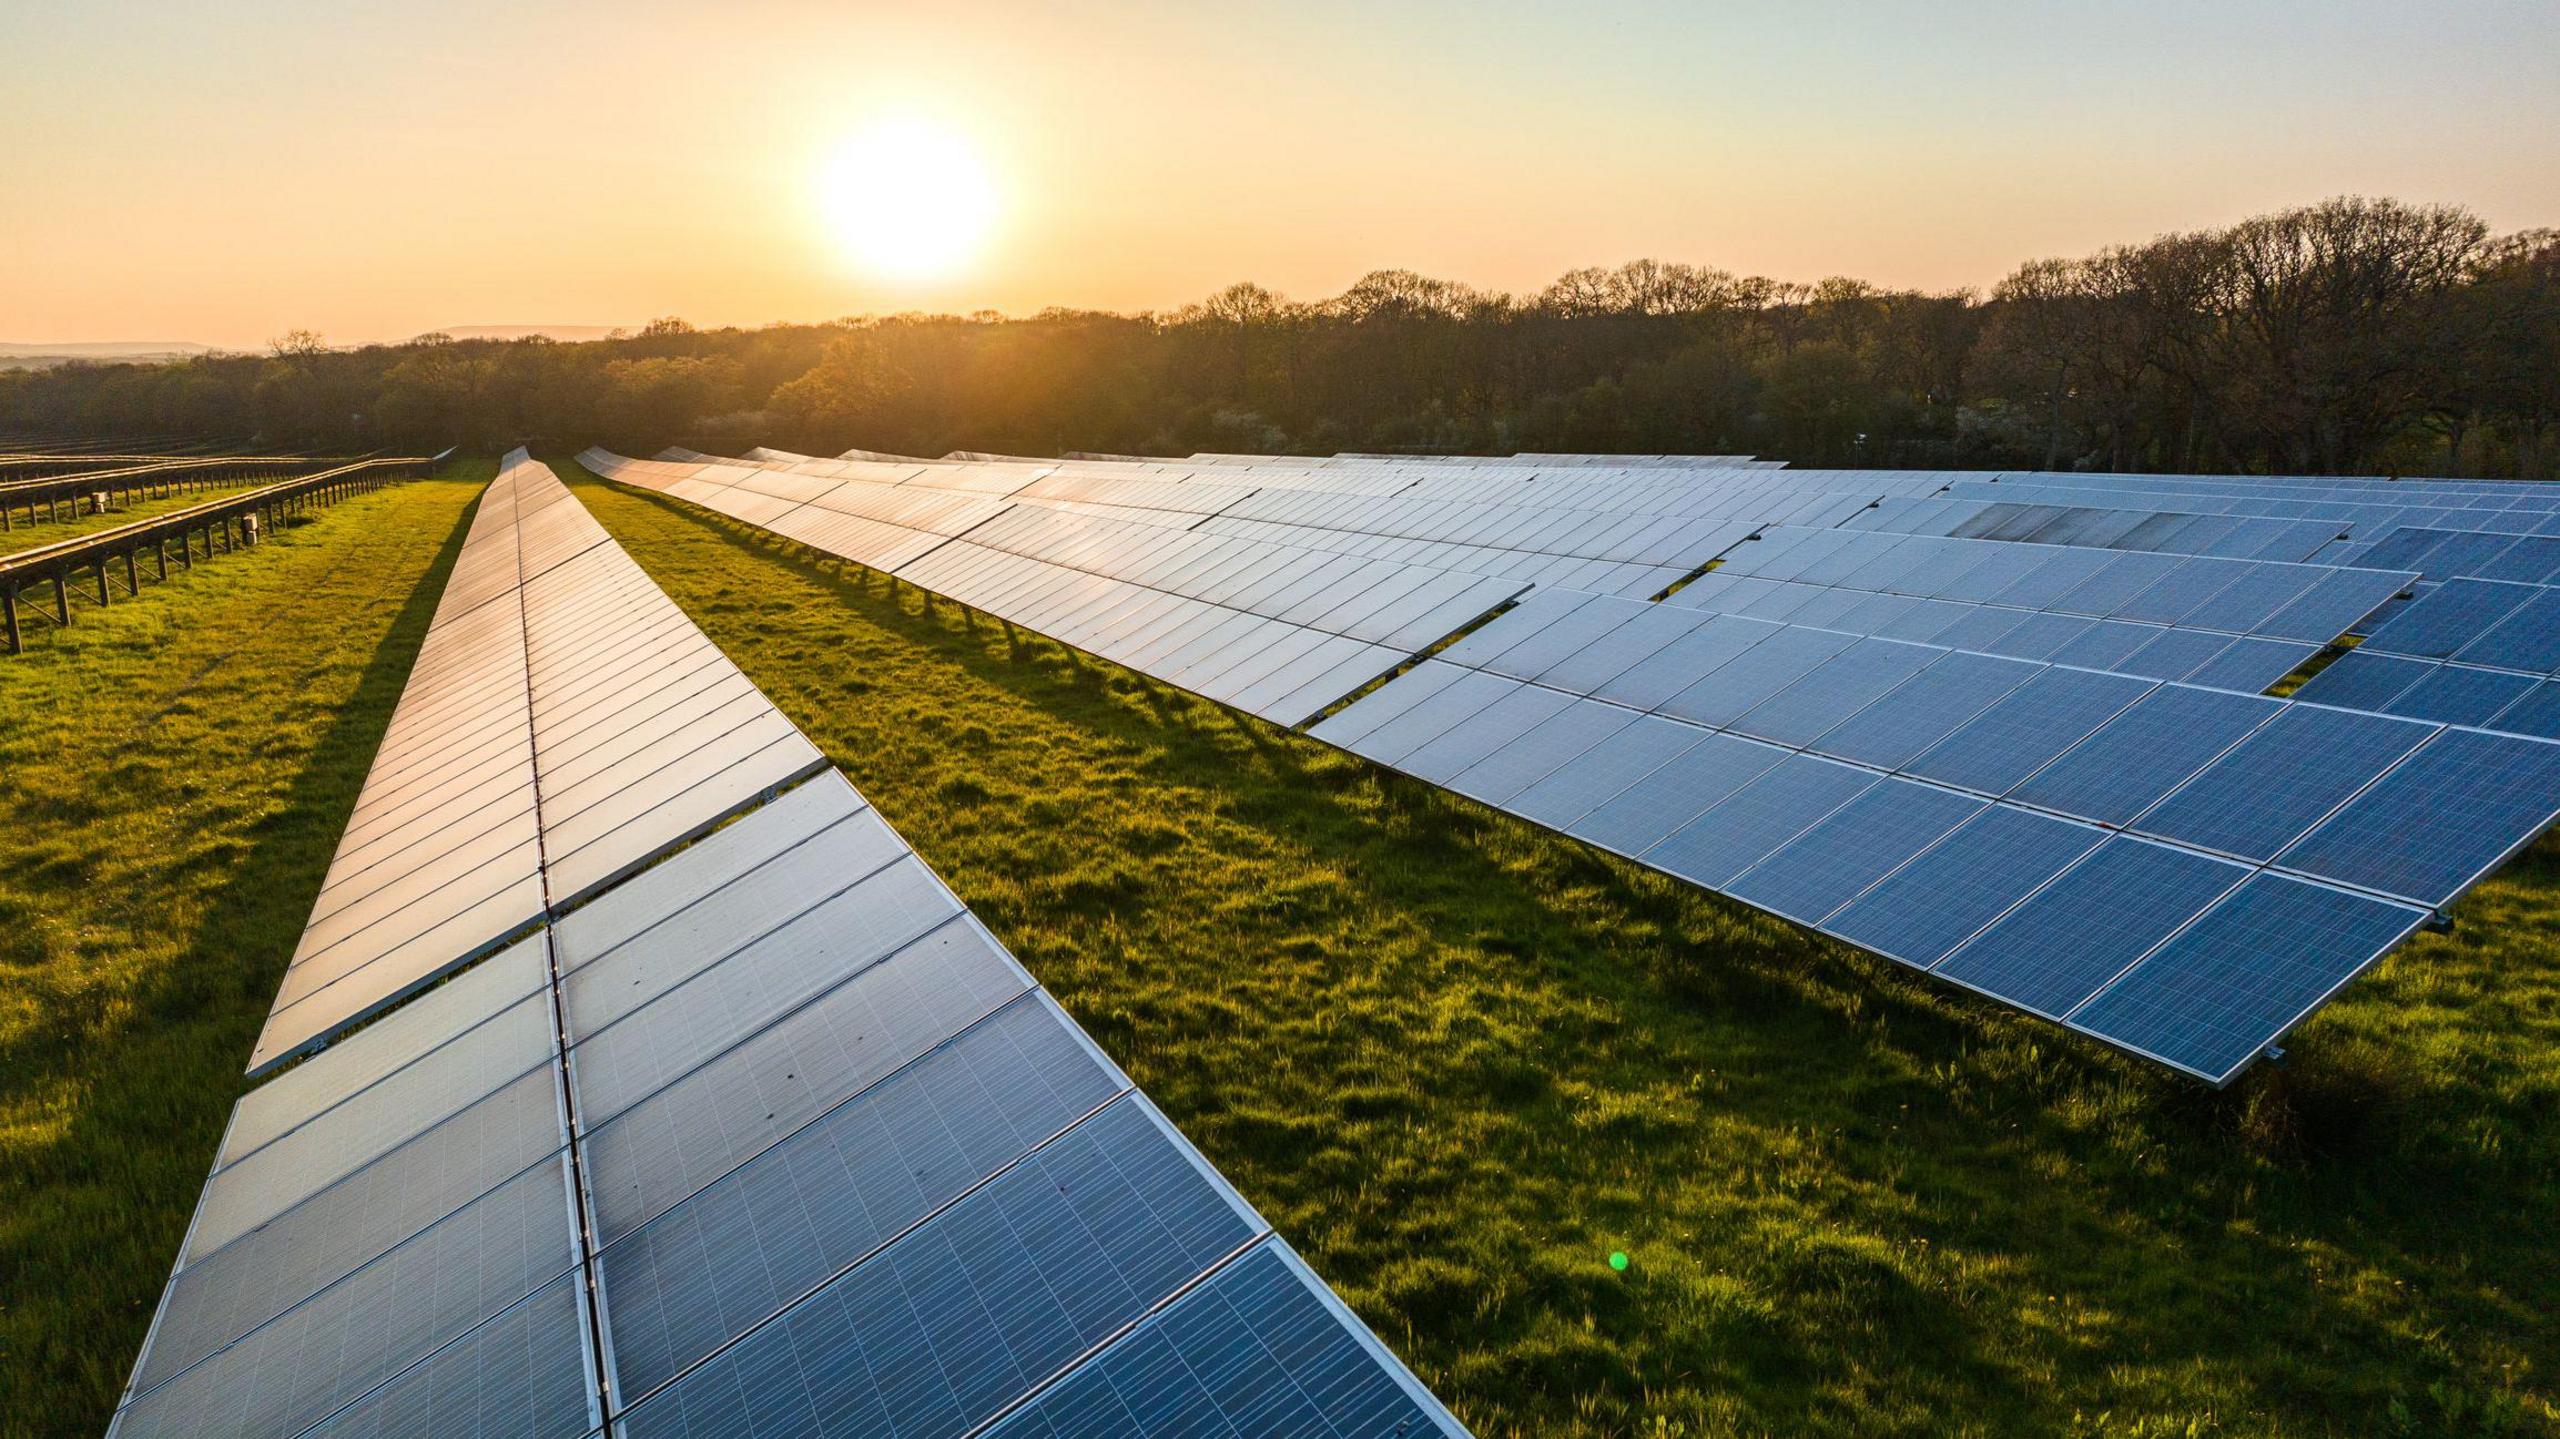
(2351, 336)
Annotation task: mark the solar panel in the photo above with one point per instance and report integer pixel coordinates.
(983, 1302)
(1757, 818)
(1861, 842)
(2448, 617)
(2362, 680)
(2027, 728)
(2445, 816)
(1661, 799)
(1834, 690)
(2284, 778)
(2071, 937)
(1966, 881)
(2459, 694)
(2231, 984)
(836, 1192)
(2527, 639)
(790, 1064)
(1260, 1348)
(1924, 710)
(2140, 755)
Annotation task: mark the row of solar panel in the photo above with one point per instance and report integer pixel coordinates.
(563, 672)
(2304, 603)
(2438, 690)
(1549, 553)
(1276, 630)
(2246, 663)
(817, 1119)
(2363, 518)
(1960, 813)
(2165, 530)
(2478, 622)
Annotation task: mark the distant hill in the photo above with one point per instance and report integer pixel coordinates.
(518, 332)
(31, 355)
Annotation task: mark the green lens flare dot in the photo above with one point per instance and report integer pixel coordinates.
(1618, 1260)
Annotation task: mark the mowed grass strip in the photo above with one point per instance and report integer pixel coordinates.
(175, 771)
(1460, 1061)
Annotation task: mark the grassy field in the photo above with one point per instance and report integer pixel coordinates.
(24, 536)
(174, 772)
(1457, 1060)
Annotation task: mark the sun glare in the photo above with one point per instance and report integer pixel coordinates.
(909, 200)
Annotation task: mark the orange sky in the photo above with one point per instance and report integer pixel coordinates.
(223, 173)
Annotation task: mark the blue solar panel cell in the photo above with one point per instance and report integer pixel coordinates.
(2027, 729)
(1941, 899)
(1660, 802)
(1770, 666)
(2252, 599)
(820, 1201)
(979, 1305)
(2537, 714)
(2106, 645)
(1686, 660)
(525, 1374)
(1561, 738)
(2331, 607)
(2252, 665)
(2040, 636)
(1979, 629)
(2121, 581)
(1832, 863)
(2064, 944)
(2212, 998)
(2142, 754)
(1924, 710)
(2444, 817)
(2174, 654)
(1257, 1349)
(1762, 815)
(2361, 680)
(1434, 717)
(2527, 639)
(2448, 617)
(1604, 771)
(2459, 694)
(1836, 689)
(2281, 780)
(1479, 735)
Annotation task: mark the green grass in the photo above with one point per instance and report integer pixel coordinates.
(174, 771)
(24, 536)
(1457, 1060)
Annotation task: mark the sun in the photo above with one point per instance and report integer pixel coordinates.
(909, 200)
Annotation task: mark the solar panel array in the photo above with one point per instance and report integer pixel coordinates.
(1982, 819)
(1963, 721)
(742, 1127)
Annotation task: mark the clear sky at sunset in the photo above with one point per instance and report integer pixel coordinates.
(220, 173)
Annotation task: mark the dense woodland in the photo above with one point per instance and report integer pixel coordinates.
(2353, 336)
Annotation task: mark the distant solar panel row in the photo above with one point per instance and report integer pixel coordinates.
(2311, 604)
(776, 1134)
(2182, 871)
(2165, 530)
(1277, 630)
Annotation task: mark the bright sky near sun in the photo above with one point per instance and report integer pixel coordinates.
(220, 173)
